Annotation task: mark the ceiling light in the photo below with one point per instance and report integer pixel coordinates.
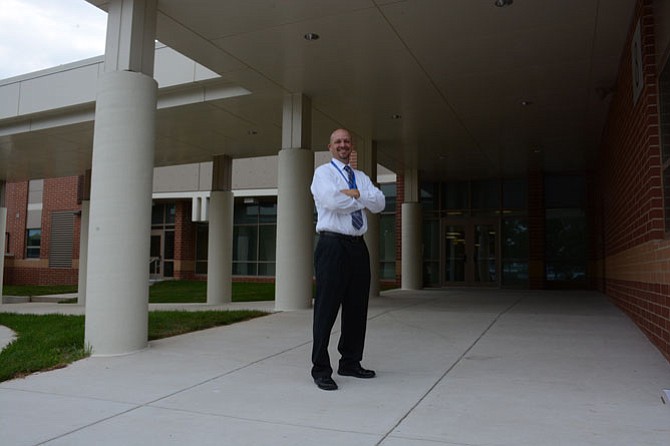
(501, 3)
(311, 36)
(396, 116)
(526, 103)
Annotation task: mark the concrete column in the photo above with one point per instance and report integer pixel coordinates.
(117, 282)
(83, 238)
(412, 256)
(220, 239)
(3, 230)
(372, 241)
(295, 208)
(366, 159)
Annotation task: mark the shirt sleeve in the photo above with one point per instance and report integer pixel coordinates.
(326, 189)
(372, 198)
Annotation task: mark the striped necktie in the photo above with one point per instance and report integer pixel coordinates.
(356, 216)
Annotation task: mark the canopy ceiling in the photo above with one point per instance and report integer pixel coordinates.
(440, 85)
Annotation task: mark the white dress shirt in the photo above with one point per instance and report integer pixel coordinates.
(334, 208)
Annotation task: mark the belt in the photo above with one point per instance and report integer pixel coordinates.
(352, 238)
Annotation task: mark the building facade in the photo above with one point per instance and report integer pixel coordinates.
(43, 235)
(600, 227)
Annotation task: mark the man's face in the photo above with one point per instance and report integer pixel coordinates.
(341, 145)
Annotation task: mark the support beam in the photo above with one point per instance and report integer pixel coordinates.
(366, 160)
(220, 238)
(412, 256)
(131, 35)
(295, 208)
(117, 289)
(83, 238)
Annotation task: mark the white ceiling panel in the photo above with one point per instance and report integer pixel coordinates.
(454, 71)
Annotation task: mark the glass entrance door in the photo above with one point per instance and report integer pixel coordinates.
(156, 253)
(455, 254)
(470, 253)
(161, 255)
(484, 249)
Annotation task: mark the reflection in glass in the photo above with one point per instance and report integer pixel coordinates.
(244, 243)
(267, 242)
(485, 254)
(566, 245)
(514, 245)
(454, 262)
(431, 253)
(456, 195)
(387, 246)
(429, 195)
(486, 194)
(201, 242)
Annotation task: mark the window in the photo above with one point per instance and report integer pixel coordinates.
(485, 197)
(431, 251)
(429, 196)
(514, 240)
(455, 197)
(163, 214)
(254, 237)
(33, 240)
(514, 195)
(514, 251)
(565, 229)
(201, 248)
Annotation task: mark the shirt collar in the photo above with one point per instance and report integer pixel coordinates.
(339, 163)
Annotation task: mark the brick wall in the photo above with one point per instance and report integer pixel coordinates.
(59, 195)
(630, 153)
(634, 255)
(184, 240)
(16, 200)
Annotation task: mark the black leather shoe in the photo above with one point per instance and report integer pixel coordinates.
(325, 383)
(357, 372)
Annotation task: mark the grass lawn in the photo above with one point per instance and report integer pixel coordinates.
(51, 341)
(46, 342)
(37, 290)
(195, 291)
(169, 291)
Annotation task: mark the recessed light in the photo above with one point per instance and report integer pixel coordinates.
(252, 132)
(526, 103)
(501, 3)
(396, 116)
(311, 36)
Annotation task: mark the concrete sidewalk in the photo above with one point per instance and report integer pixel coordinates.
(455, 367)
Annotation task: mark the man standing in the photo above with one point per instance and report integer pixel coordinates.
(341, 260)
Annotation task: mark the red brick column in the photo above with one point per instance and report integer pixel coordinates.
(184, 240)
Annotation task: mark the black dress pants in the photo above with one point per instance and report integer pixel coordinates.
(342, 267)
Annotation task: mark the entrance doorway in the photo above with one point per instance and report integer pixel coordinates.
(161, 261)
(471, 252)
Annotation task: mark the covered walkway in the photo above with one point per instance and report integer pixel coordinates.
(455, 367)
